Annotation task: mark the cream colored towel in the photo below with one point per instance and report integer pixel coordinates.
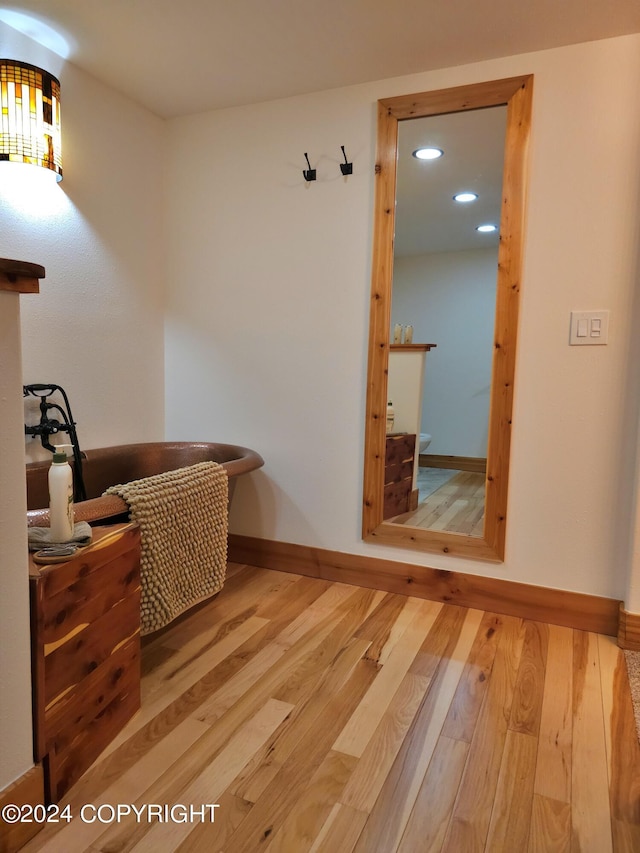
(183, 523)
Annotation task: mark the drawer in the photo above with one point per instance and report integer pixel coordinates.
(400, 448)
(397, 497)
(399, 472)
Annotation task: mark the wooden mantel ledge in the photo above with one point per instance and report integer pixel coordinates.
(412, 347)
(20, 276)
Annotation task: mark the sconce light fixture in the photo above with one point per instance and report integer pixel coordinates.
(30, 116)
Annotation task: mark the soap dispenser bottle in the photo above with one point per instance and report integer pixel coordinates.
(391, 416)
(60, 497)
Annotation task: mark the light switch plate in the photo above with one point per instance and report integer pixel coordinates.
(589, 328)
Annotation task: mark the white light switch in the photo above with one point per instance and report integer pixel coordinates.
(589, 328)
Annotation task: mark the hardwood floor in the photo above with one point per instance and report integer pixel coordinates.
(327, 717)
(455, 507)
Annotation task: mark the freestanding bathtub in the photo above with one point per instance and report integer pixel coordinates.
(109, 466)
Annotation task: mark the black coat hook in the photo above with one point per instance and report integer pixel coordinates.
(309, 174)
(346, 168)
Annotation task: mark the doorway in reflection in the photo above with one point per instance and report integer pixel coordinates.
(444, 286)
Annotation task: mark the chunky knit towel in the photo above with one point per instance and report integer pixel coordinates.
(182, 517)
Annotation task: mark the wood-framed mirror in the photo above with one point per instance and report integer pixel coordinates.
(487, 543)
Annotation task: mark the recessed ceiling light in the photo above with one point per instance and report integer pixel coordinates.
(465, 197)
(428, 153)
(486, 229)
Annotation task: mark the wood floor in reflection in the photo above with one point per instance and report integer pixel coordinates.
(455, 507)
(327, 717)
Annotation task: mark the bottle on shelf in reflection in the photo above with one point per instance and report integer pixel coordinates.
(391, 416)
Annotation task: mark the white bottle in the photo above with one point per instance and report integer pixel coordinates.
(61, 497)
(391, 416)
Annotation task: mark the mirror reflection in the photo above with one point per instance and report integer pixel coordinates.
(385, 463)
(442, 316)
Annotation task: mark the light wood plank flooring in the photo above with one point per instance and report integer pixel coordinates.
(327, 717)
(455, 507)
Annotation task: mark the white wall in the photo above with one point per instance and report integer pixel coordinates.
(267, 312)
(95, 328)
(450, 297)
(16, 745)
(405, 383)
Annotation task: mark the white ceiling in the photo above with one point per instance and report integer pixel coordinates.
(427, 217)
(177, 57)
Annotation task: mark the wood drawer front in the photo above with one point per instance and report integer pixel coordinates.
(84, 650)
(77, 708)
(400, 448)
(88, 598)
(396, 498)
(77, 744)
(399, 472)
(105, 552)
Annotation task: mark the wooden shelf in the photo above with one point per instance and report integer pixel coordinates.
(412, 347)
(20, 276)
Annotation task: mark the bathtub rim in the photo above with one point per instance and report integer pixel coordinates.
(237, 460)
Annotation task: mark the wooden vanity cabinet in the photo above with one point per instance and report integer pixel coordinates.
(85, 630)
(398, 474)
